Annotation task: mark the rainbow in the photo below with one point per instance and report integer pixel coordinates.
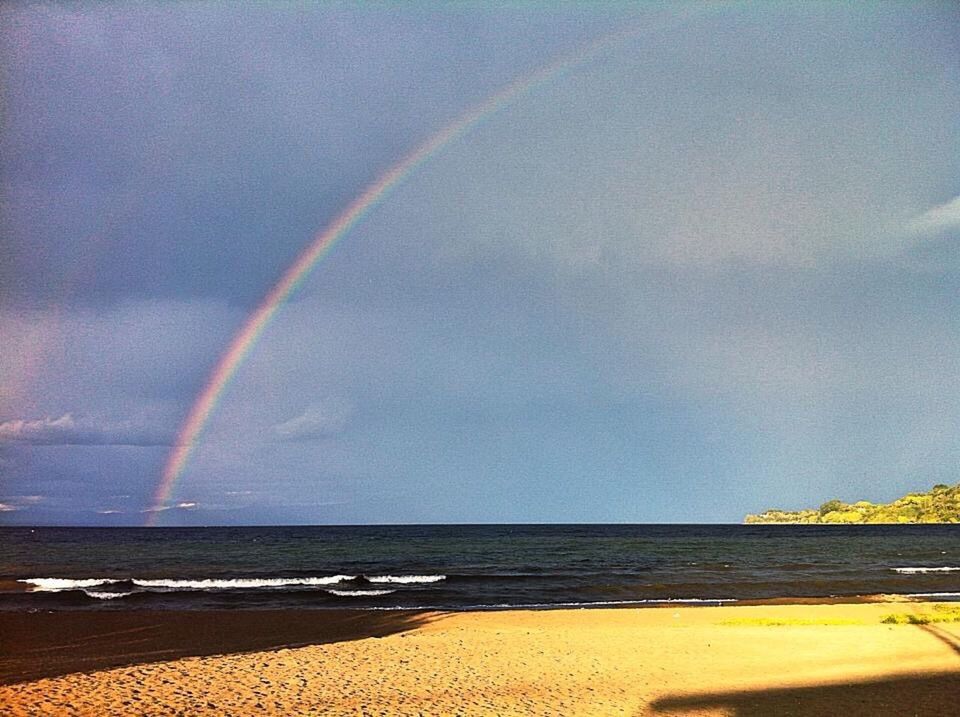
(248, 335)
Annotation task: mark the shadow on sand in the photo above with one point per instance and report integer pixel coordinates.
(50, 644)
(928, 696)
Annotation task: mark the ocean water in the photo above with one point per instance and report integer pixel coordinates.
(463, 567)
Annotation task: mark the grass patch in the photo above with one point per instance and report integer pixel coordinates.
(941, 613)
(781, 622)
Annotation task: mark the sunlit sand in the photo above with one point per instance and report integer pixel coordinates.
(743, 660)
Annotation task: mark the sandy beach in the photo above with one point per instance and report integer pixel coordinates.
(743, 660)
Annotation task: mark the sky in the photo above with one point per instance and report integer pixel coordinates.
(706, 264)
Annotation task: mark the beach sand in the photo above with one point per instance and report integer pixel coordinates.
(746, 661)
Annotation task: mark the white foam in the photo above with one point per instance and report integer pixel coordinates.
(549, 605)
(105, 595)
(651, 601)
(911, 571)
(581, 605)
(57, 584)
(241, 583)
(935, 595)
(360, 593)
(406, 579)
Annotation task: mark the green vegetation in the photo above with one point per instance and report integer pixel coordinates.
(940, 505)
(785, 622)
(941, 613)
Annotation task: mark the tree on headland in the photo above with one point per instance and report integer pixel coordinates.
(940, 505)
(830, 506)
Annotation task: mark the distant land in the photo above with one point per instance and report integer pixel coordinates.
(939, 505)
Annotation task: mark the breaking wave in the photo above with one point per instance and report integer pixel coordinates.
(101, 595)
(241, 583)
(57, 584)
(123, 587)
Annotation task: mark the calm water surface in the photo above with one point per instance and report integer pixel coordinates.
(467, 567)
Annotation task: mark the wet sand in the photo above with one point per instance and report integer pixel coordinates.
(743, 660)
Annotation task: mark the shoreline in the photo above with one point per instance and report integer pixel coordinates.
(674, 659)
(14, 586)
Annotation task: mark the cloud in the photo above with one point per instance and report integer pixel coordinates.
(22, 501)
(944, 217)
(183, 505)
(315, 422)
(85, 431)
(6, 508)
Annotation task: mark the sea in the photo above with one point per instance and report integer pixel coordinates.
(469, 567)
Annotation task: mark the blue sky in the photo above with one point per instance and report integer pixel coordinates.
(712, 268)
